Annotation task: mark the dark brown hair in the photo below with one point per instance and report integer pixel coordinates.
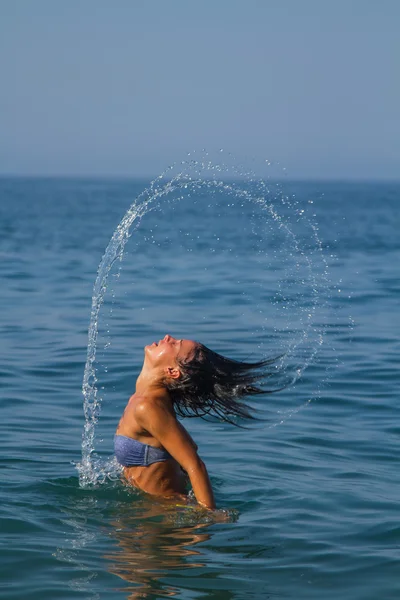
(212, 385)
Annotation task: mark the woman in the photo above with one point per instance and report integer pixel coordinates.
(179, 377)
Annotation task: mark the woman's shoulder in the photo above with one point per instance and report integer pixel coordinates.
(151, 402)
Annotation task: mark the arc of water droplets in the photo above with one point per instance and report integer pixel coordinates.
(115, 251)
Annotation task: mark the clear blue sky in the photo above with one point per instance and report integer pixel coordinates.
(126, 87)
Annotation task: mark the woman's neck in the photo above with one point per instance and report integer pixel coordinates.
(149, 380)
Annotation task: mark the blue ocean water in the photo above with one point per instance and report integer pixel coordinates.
(314, 485)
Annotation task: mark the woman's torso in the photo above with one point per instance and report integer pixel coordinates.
(163, 478)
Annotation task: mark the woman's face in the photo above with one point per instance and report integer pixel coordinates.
(169, 351)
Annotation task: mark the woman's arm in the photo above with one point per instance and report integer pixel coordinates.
(158, 419)
(195, 446)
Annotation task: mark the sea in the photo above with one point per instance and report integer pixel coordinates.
(307, 493)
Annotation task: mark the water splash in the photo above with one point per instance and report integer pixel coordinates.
(300, 345)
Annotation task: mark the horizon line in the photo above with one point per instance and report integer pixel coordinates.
(141, 178)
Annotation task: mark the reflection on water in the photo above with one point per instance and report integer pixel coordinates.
(150, 546)
(77, 511)
(143, 540)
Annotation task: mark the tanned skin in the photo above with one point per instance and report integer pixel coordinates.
(149, 417)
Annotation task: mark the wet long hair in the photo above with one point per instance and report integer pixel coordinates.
(212, 385)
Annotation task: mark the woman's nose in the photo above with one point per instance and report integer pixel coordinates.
(167, 338)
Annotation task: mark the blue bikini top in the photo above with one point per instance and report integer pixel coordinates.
(131, 453)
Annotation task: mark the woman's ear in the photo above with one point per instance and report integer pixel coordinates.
(173, 372)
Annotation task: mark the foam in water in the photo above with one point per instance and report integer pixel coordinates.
(175, 185)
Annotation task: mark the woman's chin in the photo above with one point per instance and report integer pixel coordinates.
(150, 347)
